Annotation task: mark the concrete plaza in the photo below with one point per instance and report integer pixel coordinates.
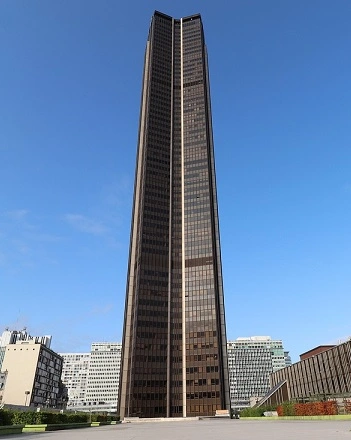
(206, 430)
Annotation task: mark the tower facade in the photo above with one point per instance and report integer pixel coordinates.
(174, 359)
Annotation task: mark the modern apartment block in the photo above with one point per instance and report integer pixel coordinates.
(174, 361)
(251, 361)
(92, 379)
(74, 376)
(33, 374)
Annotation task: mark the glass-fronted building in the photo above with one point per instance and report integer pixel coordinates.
(174, 361)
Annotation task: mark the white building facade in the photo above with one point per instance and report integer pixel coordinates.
(74, 376)
(251, 360)
(92, 379)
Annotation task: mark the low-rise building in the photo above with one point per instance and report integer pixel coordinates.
(322, 373)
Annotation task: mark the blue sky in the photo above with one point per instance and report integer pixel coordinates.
(69, 108)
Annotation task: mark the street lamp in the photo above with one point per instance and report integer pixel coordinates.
(27, 394)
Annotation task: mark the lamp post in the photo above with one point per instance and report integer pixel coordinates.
(27, 394)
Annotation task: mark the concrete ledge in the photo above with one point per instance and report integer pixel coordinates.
(54, 427)
(14, 429)
(18, 429)
(114, 422)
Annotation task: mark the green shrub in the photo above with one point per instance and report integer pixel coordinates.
(5, 417)
(25, 418)
(256, 412)
(76, 418)
(288, 409)
(95, 417)
(10, 417)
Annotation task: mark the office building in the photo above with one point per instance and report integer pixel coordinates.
(251, 360)
(103, 376)
(92, 379)
(174, 361)
(287, 359)
(74, 376)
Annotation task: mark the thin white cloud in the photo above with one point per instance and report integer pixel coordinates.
(17, 214)
(116, 193)
(102, 310)
(85, 224)
(22, 247)
(23, 240)
(43, 237)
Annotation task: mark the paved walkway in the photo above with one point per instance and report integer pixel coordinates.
(206, 430)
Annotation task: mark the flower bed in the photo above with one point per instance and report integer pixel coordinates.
(327, 408)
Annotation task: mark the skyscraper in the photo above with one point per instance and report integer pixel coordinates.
(174, 360)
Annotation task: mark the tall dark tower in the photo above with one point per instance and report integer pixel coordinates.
(174, 360)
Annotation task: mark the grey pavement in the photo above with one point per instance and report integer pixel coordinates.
(206, 430)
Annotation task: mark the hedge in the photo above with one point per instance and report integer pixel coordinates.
(11, 417)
